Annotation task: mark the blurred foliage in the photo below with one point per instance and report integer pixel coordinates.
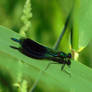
(86, 55)
(6, 80)
(25, 18)
(22, 73)
(48, 18)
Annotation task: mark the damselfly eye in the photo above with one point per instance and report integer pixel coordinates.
(69, 55)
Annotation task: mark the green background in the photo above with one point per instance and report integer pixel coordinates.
(48, 18)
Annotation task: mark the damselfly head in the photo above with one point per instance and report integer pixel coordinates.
(69, 55)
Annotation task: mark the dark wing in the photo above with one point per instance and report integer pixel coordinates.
(34, 50)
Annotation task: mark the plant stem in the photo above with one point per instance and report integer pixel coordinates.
(64, 29)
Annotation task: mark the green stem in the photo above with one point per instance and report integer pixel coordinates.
(75, 31)
(64, 29)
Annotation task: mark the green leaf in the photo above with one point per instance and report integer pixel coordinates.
(27, 71)
(85, 23)
(82, 21)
